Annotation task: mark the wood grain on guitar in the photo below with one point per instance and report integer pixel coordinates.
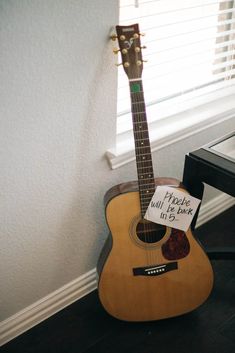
(146, 271)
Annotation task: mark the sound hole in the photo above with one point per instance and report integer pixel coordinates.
(149, 232)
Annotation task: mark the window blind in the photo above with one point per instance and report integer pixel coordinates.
(190, 51)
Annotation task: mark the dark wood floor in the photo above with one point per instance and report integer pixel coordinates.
(84, 327)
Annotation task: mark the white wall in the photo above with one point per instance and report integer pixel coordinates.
(57, 105)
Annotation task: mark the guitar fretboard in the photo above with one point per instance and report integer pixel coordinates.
(142, 145)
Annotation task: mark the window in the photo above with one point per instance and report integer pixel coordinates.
(190, 54)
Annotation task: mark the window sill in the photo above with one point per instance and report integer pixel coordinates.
(175, 128)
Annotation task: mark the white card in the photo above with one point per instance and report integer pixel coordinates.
(172, 207)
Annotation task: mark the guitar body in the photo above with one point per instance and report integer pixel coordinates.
(176, 274)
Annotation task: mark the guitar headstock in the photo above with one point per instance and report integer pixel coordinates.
(130, 49)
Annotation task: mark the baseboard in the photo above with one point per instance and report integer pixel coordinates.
(47, 306)
(83, 285)
(214, 207)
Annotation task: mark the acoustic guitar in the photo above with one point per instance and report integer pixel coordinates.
(146, 271)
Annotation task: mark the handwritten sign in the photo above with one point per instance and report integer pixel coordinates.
(172, 207)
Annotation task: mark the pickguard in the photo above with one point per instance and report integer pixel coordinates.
(177, 246)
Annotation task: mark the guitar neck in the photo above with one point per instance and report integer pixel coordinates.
(142, 145)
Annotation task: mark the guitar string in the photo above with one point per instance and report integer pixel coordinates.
(142, 136)
(145, 135)
(141, 120)
(136, 119)
(135, 108)
(143, 132)
(151, 178)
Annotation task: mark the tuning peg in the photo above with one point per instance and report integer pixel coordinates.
(139, 62)
(113, 36)
(137, 49)
(118, 64)
(142, 34)
(116, 50)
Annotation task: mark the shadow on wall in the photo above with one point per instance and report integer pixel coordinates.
(83, 229)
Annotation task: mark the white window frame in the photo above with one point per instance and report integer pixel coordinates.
(205, 111)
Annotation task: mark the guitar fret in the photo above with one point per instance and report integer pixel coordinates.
(141, 130)
(146, 201)
(149, 173)
(148, 150)
(148, 184)
(137, 109)
(147, 190)
(146, 179)
(141, 150)
(143, 210)
(145, 154)
(146, 146)
(145, 161)
(147, 167)
(145, 206)
(143, 177)
(141, 143)
(138, 102)
(135, 79)
(142, 139)
(144, 112)
(147, 194)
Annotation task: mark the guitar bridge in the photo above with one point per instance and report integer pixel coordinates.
(155, 270)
